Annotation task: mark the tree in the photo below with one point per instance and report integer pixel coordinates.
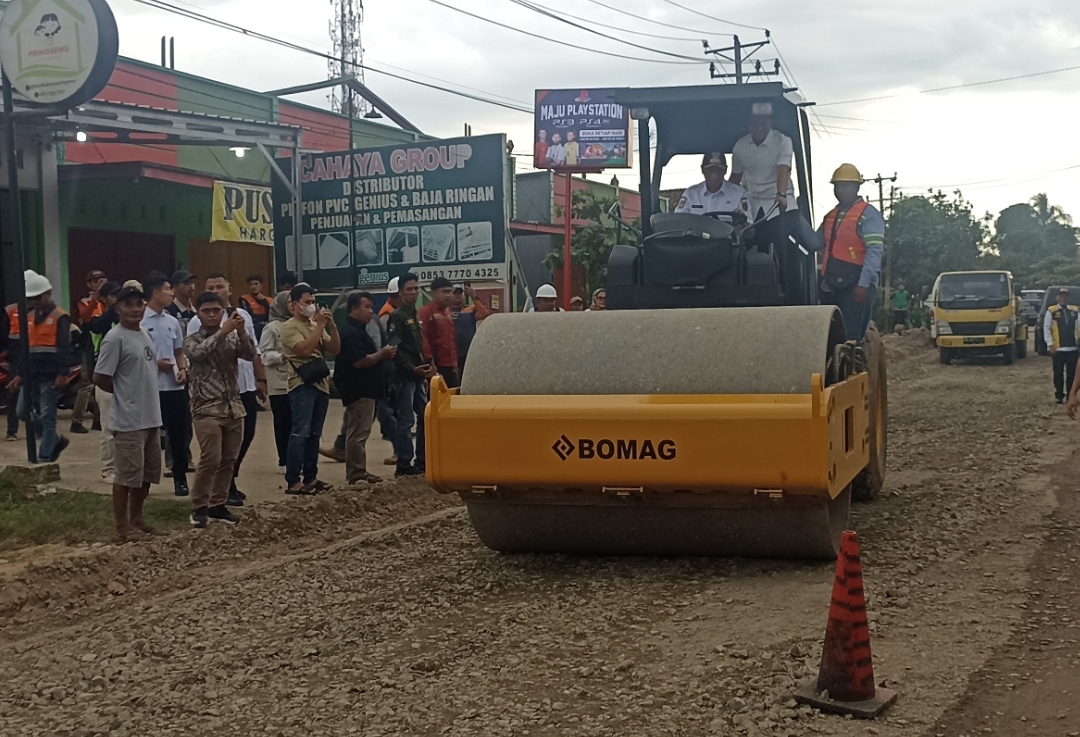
(932, 233)
(1037, 242)
(591, 246)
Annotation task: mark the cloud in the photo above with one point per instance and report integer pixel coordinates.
(1008, 138)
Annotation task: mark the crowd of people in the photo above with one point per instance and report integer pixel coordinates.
(164, 363)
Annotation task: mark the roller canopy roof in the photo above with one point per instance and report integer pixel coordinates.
(693, 120)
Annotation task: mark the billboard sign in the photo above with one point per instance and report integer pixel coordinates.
(436, 208)
(242, 213)
(581, 129)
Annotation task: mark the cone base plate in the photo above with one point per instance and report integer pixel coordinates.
(869, 709)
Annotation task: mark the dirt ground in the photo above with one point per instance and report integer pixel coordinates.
(259, 478)
(377, 612)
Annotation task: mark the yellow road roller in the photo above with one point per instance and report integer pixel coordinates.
(714, 409)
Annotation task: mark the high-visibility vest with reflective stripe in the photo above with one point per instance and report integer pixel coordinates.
(1071, 338)
(43, 333)
(842, 239)
(13, 321)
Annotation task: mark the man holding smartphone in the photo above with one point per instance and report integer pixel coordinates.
(411, 374)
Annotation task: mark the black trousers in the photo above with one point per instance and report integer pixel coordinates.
(777, 233)
(251, 406)
(176, 418)
(450, 374)
(282, 410)
(1064, 373)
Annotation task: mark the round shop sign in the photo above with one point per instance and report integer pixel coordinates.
(58, 52)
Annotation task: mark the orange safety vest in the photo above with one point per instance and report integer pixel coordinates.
(256, 306)
(842, 239)
(43, 333)
(13, 321)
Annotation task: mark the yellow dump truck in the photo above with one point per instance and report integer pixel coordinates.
(978, 313)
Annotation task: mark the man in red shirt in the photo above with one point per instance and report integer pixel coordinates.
(437, 327)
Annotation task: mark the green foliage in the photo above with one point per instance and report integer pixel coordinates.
(1037, 242)
(933, 233)
(929, 234)
(591, 246)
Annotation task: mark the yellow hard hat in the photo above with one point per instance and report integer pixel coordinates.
(847, 173)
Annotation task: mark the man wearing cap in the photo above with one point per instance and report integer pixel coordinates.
(50, 363)
(853, 238)
(99, 328)
(761, 162)
(437, 326)
(1061, 329)
(715, 194)
(183, 304)
(127, 369)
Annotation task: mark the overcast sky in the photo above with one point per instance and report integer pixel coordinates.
(1001, 143)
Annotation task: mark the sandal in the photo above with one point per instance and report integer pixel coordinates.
(300, 490)
(320, 487)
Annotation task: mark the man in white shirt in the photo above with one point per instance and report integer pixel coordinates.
(761, 161)
(251, 378)
(715, 194)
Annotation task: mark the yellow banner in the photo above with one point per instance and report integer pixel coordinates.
(242, 213)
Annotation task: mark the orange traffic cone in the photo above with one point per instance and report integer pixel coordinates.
(845, 682)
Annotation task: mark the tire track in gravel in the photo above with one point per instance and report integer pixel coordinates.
(422, 631)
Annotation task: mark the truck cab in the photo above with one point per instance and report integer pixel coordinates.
(978, 313)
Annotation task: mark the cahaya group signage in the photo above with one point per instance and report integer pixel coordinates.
(58, 52)
(435, 208)
(242, 213)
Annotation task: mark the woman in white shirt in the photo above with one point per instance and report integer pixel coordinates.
(277, 373)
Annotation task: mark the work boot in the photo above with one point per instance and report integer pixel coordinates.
(334, 454)
(391, 461)
(61, 446)
(234, 499)
(96, 426)
(79, 429)
(180, 487)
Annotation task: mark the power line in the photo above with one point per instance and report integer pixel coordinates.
(953, 87)
(192, 15)
(549, 14)
(642, 17)
(554, 40)
(628, 30)
(713, 17)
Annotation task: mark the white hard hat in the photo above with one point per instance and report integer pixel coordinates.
(547, 292)
(392, 287)
(36, 284)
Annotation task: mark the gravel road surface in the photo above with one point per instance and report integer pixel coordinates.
(379, 613)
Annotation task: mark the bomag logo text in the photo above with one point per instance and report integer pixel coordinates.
(588, 449)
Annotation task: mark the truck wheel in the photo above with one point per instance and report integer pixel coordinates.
(1008, 355)
(946, 355)
(1021, 349)
(868, 483)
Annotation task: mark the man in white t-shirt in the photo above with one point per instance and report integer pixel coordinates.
(127, 369)
(715, 194)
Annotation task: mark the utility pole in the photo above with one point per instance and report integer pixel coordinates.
(887, 287)
(740, 53)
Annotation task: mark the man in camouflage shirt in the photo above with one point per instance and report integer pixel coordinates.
(217, 410)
